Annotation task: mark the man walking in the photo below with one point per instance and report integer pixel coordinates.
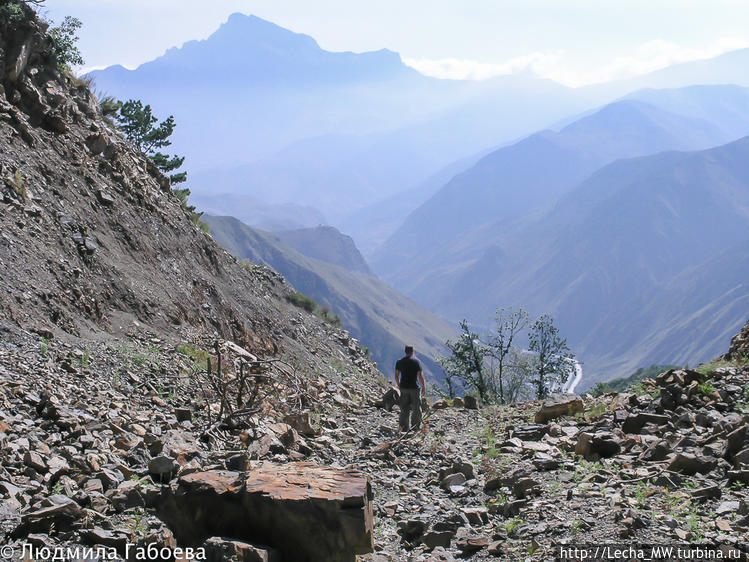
(407, 370)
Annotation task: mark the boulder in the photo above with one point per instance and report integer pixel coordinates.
(219, 549)
(601, 444)
(690, 464)
(558, 405)
(281, 506)
(301, 422)
(470, 402)
(390, 399)
(635, 422)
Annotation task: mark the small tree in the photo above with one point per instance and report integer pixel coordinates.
(138, 123)
(144, 131)
(467, 361)
(64, 38)
(554, 361)
(509, 324)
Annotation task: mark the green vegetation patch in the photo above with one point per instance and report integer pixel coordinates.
(301, 300)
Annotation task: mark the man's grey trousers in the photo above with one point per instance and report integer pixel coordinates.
(410, 402)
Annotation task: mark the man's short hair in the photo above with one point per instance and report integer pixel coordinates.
(409, 349)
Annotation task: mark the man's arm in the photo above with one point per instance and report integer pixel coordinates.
(423, 384)
(397, 378)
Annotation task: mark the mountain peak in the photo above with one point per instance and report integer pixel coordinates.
(249, 30)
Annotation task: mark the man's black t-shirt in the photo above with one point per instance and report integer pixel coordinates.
(409, 369)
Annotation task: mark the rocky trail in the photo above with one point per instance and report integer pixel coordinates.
(99, 445)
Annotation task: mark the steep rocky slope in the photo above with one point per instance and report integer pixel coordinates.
(93, 240)
(132, 347)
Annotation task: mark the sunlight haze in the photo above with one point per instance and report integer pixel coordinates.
(574, 43)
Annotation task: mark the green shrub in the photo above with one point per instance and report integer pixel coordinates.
(64, 38)
(17, 182)
(303, 301)
(11, 13)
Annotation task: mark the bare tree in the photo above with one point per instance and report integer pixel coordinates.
(509, 323)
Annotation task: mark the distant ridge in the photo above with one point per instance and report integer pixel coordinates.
(373, 312)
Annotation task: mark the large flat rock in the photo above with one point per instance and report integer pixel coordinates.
(558, 405)
(305, 511)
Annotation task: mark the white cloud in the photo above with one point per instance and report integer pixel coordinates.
(466, 69)
(558, 66)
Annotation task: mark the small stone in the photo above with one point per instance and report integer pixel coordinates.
(35, 461)
(452, 480)
(723, 525)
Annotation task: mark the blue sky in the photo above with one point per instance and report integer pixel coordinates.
(572, 41)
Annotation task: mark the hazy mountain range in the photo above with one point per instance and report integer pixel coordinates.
(265, 112)
(624, 241)
(605, 206)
